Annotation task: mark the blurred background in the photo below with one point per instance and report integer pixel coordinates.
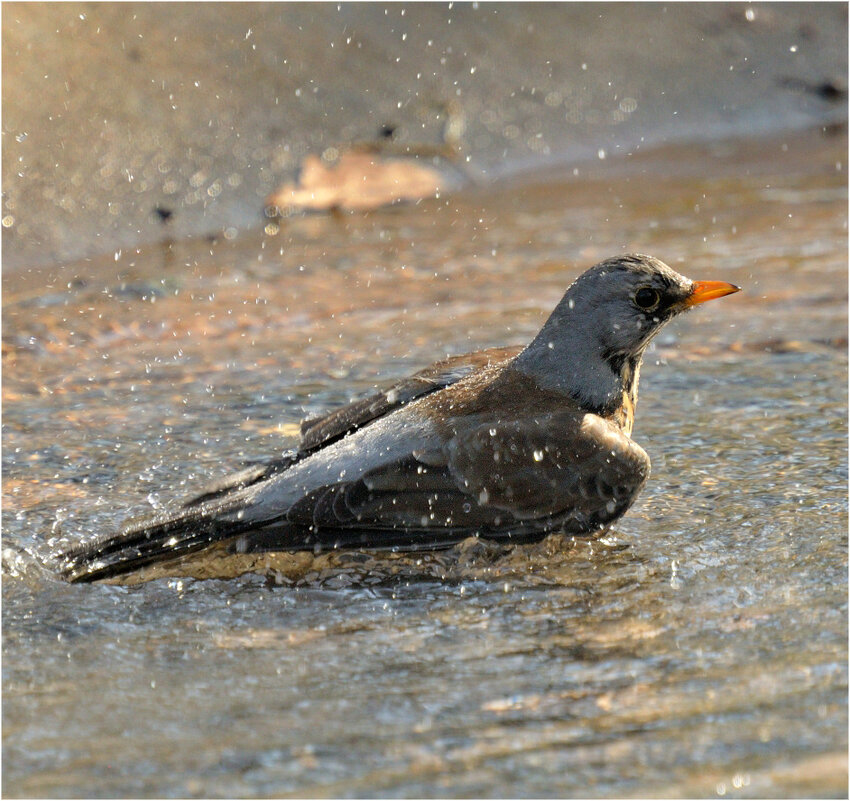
(202, 245)
(112, 112)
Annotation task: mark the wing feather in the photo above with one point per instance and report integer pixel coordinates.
(561, 464)
(320, 431)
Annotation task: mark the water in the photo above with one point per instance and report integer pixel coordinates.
(699, 650)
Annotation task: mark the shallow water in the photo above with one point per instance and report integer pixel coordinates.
(698, 650)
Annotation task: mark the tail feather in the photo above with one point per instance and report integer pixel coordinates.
(154, 539)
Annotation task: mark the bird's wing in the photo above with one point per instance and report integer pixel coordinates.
(321, 431)
(567, 465)
(413, 503)
(504, 479)
(408, 494)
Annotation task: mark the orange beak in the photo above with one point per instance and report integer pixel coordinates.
(709, 290)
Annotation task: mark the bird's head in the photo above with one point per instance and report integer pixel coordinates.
(625, 301)
(592, 344)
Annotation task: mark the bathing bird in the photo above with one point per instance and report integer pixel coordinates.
(508, 444)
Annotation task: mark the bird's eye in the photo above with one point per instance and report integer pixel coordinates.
(647, 298)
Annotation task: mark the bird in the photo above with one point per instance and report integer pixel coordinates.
(508, 444)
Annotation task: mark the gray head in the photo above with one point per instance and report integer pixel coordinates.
(592, 344)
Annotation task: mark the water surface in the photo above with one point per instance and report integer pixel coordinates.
(698, 650)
